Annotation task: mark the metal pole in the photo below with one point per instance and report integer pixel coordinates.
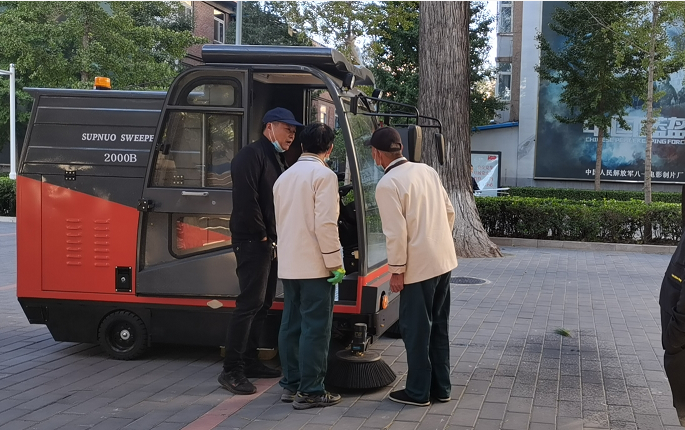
(13, 124)
(239, 23)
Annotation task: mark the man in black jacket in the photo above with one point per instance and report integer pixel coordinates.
(254, 171)
(672, 301)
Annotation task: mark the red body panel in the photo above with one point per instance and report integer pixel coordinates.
(83, 239)
(28, 237)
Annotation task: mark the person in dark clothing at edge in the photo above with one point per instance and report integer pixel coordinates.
(672, 302)
(254, 171)
(474, 183)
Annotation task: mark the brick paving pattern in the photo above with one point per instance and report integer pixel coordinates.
(510, 369)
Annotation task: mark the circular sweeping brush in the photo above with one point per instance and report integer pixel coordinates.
(353, 370)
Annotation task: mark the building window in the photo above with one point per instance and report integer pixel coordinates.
(504, 16)
(219, 26)
(188, 8)
(504, 81)
(323, 116)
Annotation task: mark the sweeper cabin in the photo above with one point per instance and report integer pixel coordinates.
(124, 199)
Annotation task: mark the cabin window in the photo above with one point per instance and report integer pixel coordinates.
(197, 233)
(223, 94)
(196, 150)
(362, 127)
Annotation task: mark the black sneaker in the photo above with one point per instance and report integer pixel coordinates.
(402, 397)
(441, 399)
(236, 383)
(287, 396)
(259, 370)
(304, 401)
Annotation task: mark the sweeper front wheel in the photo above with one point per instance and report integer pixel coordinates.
(123, 335)
(358, 371)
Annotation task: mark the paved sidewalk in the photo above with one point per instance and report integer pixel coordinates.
(510, 369)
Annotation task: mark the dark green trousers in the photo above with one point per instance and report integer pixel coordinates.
(305, 334)
(424, 319)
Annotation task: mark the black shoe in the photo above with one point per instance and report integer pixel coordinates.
(287, 396)
(236, 383)
(402, 397)
(441, 399)
(259, 370)
(304, 401)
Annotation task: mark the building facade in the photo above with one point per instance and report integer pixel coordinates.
(537, 150)
(210, 18)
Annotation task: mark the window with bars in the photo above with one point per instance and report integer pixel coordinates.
(504, 81)
(504, 16)
(219, 27)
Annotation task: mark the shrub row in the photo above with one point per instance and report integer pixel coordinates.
(573, 194)
(590, 221)
(8, 200)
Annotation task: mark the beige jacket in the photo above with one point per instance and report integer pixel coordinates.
(417, 218)
(307, 206)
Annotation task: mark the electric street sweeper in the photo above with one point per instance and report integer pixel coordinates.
(124, 201)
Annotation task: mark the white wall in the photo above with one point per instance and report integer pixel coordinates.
(528, 102)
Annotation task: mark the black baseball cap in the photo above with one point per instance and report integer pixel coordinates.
(281, 115)
(386, 139)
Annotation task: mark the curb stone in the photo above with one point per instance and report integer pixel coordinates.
(585, 246)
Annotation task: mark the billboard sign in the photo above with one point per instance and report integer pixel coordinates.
(568, 151)
(486, 171)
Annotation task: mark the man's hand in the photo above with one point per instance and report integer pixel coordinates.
(338, 275)
(397, 282)
(264, 239)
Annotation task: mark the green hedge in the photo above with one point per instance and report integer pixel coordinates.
(590, 221)
(8, 197)
(573, 194)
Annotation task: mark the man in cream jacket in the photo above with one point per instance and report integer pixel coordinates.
(307, 207)
(417, 219)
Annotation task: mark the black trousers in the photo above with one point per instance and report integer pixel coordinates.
(424, 325)
(674, 364)
(257, 276)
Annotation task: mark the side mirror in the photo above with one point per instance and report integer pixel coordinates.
(411, 140)
(440, 143)
(348, 81)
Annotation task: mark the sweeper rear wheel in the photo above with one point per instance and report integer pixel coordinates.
(358, 371)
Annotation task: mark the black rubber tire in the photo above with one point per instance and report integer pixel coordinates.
(123, 335)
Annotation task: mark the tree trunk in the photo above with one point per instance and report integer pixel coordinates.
(85, 41)
(650, 104)
(598, 163)
(444, 94)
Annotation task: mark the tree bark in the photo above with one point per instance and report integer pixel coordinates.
(650, 105)
(85, 41)
(444, 90)
(598, 163)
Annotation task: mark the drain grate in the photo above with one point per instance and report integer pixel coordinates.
(465, 280)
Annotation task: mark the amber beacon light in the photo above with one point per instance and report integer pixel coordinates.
(102, 83)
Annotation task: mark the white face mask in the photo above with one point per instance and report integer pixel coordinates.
(378, 166)
(274, 142)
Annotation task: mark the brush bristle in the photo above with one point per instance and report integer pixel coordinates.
(350, 375)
